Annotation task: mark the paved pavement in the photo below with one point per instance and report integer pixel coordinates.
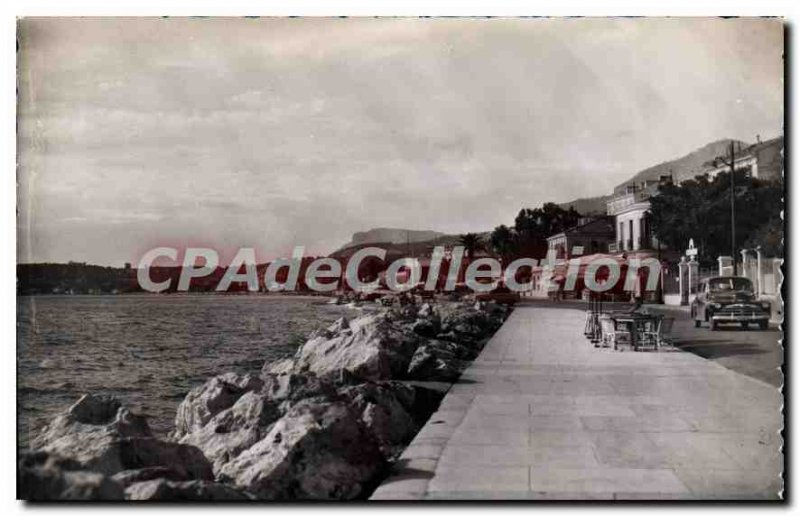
(752, 352)
(542, 414)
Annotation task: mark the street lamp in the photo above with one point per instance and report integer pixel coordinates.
(732, 165)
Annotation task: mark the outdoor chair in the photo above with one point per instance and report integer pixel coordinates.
(590, 324)
(609, 332)
(658, 337)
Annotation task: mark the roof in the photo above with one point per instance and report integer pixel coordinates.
(594, 226)
(747, 152)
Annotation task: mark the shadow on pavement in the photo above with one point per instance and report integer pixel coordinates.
(720, 348)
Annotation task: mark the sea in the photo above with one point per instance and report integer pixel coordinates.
(149, 350)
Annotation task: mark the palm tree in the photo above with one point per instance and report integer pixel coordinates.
(472, 242)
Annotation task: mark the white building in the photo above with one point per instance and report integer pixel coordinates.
(762, 160)
(632, 219)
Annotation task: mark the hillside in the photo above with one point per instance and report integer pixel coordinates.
(685, 167)
(392, 236)
(398, 250)
(402, 241)
(588, 205)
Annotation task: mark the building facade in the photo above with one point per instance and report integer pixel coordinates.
(591, 235)
(630, 210)
(762, 160)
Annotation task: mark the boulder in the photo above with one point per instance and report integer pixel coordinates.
(317, 451)
(283, 366)
(371, 348)
(94, 438)
(470, 324)
(427, 397)
(235, 429)
(385, 409)
(426, 327)
(435, 362)
(426, 310)
(131, 476)
(194, 491)
(41, 478)
(204, 402)
(291, 387)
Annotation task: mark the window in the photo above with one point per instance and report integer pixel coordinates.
(630, 235)
(730, 284)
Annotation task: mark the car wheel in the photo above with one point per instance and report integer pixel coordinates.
(714, 326)
(697, 323)
(763, 325)
(744, 325)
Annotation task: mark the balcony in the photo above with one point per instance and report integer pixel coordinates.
(620, 202)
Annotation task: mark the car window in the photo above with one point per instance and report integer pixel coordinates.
(729, 284)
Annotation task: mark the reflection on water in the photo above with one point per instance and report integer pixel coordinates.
(148, 350)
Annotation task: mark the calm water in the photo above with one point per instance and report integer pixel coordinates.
(148, 350)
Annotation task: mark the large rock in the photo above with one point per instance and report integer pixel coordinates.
(385, 409)
(370, 348)
(289, 388)
(317, 451)
(204, 402)
(283, 366)
(131, 476)
(193, 491)
(470, 326)
(99, 434)
(235, 429)
(42, 478)
(426, 327)
(436, 361)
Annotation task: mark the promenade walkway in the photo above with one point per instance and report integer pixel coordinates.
(542, 414)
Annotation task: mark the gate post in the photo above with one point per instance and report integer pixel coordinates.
(725, 266)
(758, 272)
(683, 281)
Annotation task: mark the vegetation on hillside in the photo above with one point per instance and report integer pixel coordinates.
(700, 209)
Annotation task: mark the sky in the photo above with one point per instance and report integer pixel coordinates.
(274, 132)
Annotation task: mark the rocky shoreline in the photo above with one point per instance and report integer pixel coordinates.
(323, 425)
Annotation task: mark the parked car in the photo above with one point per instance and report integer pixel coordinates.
(730, 299)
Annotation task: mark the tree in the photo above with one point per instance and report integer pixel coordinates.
(769, 237)
(503, 241)
(472, 243)
(700, 209)
(533, 226)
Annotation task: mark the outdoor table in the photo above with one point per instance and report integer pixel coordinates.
(635, 322)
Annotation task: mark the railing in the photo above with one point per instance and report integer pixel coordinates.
(622, 201)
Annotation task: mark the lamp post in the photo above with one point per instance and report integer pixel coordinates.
(758, 271)
(732, 165)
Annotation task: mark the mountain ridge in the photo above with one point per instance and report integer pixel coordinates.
(681, 169)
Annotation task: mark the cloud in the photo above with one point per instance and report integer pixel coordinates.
(274, 132)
